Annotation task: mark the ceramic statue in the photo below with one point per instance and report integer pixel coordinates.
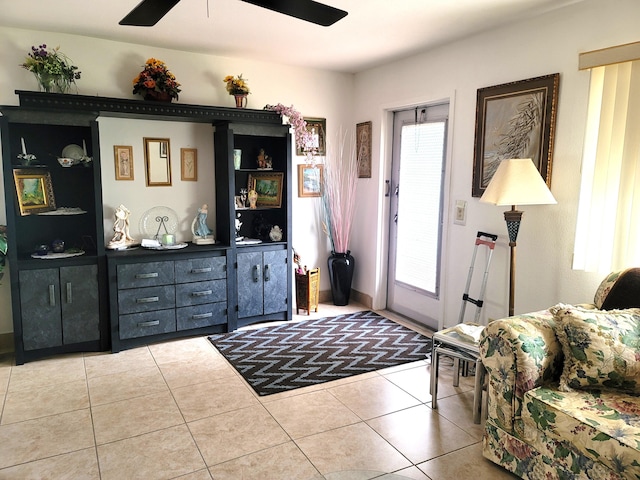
(121, 237)
(202, 234)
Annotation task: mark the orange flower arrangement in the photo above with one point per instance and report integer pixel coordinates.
(156, 77)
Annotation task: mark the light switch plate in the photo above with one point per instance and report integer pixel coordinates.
(460, 212)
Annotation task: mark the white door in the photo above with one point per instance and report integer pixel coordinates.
(416, 225)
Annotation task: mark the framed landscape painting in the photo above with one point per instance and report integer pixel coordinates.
(515, 120)
(34, 190)
(268, 186)
(310, 180)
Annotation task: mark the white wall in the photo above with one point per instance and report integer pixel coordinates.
(108, 69)
(540, 46)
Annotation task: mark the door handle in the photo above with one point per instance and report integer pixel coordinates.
(387, 190)
(69, 299)
(267, 273)
(52, 295)
(256, 273)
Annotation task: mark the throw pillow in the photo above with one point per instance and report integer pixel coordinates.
(604, 288)
(625, 292)
(601, 348)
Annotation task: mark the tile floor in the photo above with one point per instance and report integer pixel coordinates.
(179, 410)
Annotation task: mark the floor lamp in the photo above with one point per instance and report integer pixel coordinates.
(516, 182)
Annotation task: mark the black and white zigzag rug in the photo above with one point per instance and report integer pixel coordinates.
(294, 355)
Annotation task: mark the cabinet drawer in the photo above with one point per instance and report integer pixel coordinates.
(147, 323)
(146, 299)
(198, 269)
(200, 316)
(201, 292)
(135, 275)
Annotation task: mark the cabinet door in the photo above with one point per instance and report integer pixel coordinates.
(40, 308)
(250, 295)
(80, 304)
(275, 281)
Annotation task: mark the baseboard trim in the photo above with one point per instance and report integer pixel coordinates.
(325, 296)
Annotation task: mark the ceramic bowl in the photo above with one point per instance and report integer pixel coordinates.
(66, 161)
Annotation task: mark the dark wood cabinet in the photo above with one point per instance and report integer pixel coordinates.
(134, 297)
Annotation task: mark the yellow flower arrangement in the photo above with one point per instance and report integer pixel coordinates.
(156, 77)
(236, 85)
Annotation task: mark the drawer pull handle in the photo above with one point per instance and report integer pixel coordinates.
(201, 270)
(150, 323)
(200, 316)
(147, 275)
(203, 293)
(147, 299)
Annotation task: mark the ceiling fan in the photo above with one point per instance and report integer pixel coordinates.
(148, 12)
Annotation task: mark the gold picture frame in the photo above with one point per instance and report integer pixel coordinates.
(317, 127)
(515, 120)
(189, 164)
(123, 158)
(310, 180)
(157, 159)
(268, 186)
(34, 190)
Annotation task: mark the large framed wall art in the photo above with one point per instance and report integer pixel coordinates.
(515, 120)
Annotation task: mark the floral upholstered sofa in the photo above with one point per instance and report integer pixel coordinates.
(564, 388)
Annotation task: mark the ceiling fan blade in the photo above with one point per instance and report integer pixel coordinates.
(307, 10)
(148, 13)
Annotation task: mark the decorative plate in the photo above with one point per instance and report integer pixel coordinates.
(157, 221)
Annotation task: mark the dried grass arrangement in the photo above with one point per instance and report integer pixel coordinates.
(340, 183)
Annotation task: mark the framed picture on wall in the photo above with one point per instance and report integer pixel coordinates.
(515, 120)
(123, 157)
(189, 164)
(363, 149)
(318, 129)
(310, 180)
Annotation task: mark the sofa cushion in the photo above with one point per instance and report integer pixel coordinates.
(602, 426)
(601, 348)
(619, 290)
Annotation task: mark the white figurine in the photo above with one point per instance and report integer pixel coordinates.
(202, 234)
(121, 238)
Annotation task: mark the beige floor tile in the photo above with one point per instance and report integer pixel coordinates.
(414, 381)
(80, 465)
(234, 434)
(125, 385)
(373, 397)
(282, 462)
(466, 463)
(23, 405)
(419, 433)
(311, 413)
(127, 418)
(196, 369)
(178, 350)
(162, 454)
(458, 409)
(199, 475)
(414, 473)
(354, 447)
(104, 363)
(213, 398)
(6, 365)
(50, 371)
(45, 437)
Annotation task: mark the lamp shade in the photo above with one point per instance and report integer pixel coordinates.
(517, 181)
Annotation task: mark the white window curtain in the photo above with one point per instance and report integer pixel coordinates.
(608, 226)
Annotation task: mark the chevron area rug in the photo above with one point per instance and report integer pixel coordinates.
(294, 355)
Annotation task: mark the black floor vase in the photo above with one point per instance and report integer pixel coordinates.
(341, 267)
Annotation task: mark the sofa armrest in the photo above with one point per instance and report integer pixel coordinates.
(519, 353)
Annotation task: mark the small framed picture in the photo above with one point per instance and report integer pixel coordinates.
(268, 187)
(34, 190)
(363, 147)
(123, 156)
(189, 164)
(310, 180)
(318, 128)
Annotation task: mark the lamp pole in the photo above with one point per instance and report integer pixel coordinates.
(512, 217)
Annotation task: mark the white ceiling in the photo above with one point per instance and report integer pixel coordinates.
(374, 32)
